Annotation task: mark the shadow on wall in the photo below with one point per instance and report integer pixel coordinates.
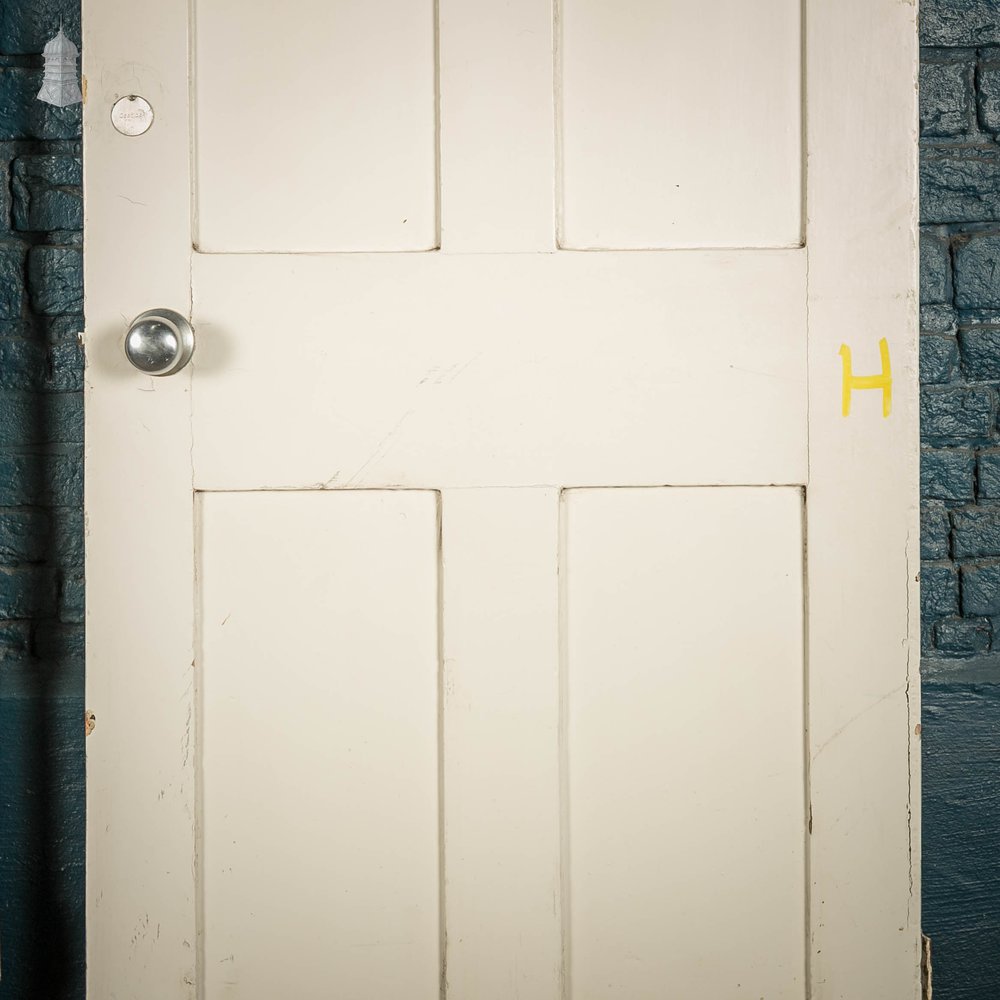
(41, 524)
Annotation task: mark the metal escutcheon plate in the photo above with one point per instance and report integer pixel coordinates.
(132, 115)
(159, 342)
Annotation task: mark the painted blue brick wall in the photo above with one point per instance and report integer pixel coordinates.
(960, 490)
(41, 525)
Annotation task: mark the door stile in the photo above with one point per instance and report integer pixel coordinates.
(862, 500)
(139, 520)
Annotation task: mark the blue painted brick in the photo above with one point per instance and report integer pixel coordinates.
(55, 279)
(62, 644)
(67, 537)
(937, 318)
(946, 97)
(65, 366)
(980, 348)
(12, 270)
(46, 193)
(938, 590)
(981, 589)
(25, 27)
(975, 532)
(27, 592)
(50, 478)
(957, 413)
(24, 536)
(959, 185)
(977, 273)
(935, 267)
(963, 636)
(23, 116)
(947, 473)
(71, 599)
(938, 358)
(935, 529)
(948, 23)
(28, 418)
(988, 475)
(23, 363)
(15, 640)
(988, 96)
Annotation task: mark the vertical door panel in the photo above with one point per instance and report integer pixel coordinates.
(319, 745)
(681, 123)
(684, 710)
(315, 125)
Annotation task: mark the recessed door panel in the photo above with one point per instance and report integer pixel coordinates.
(686, 829)
(315, 125)
(681, 123)
(318, 736)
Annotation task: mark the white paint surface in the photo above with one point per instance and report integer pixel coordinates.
(450, 370)
(686, 794)
(315, 125)
(681, 123)
(318, 699)
(500, 362)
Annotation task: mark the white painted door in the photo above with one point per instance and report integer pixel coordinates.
(515, 596)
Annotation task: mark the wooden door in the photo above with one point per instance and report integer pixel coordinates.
(515, 597)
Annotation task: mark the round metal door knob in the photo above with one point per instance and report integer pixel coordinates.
(159, 342)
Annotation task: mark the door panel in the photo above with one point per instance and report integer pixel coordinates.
(350, 109)
(318, 741)
(681, 130)
(441, 370)
(684, 714)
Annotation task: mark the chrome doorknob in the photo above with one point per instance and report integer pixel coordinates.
(159, 342)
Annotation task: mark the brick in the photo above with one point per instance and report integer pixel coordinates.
(28, 418)
(947, 473)
(948, 23)
(980, 348)
(71, 599)
(988, 95)
(46, 193)
(988, 475)
(935, 267)
(981, 589)
(957, 413)
(67, 537)
(23, 363)
(27, 592)
(60, 644)
(12, 270)
(935, 529)
(48, 478)
(26, 27)
(963, 636)
(55, 279)
(938, 358)
(977, 273)
(947, 103)
(959, 185)
(938, 590)
(65, 366)
(975, 532)
(15, 640)
(937, 318)
(24, 536)
(23, 116)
